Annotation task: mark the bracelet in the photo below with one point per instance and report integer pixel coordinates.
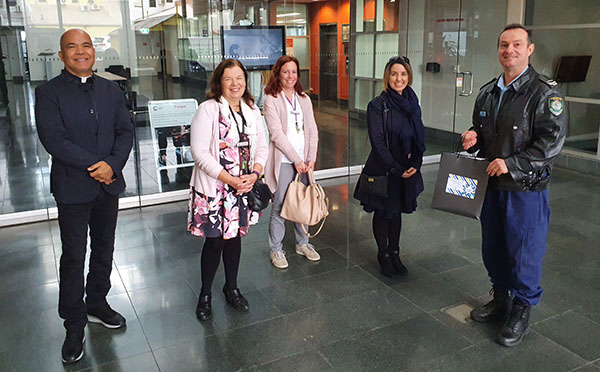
(257, 174)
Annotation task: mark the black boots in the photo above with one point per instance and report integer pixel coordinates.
(390, 263)
(204, 308)
(397, 262)
(496, 309)
(517, 325)
(386, 265)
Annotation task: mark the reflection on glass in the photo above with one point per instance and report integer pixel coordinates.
(583, 127)
(369, 16)
(363, 90)
(551, 45)
(164, 50)
(387, 47)
(364, 56)
(554, 12)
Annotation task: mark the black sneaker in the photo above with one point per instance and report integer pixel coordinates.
(106, 316)
(72, 349)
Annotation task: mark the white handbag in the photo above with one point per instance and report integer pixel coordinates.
(306, 204)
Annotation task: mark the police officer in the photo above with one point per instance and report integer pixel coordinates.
(519, 126)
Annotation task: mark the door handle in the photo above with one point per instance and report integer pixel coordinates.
(463, 92)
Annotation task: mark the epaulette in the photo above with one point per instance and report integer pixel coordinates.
(493, 81)
(549, 82)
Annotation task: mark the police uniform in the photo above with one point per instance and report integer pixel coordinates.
(523, 123)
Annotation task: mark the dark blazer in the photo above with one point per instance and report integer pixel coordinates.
(79, 125)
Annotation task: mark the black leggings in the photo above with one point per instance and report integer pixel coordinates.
(387, 232)
(211, 256)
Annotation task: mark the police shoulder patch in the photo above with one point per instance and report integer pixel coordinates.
(556, 105)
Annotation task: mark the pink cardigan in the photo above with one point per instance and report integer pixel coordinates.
(204, 139)
(276, 117)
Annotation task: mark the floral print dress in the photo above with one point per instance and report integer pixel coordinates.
(226, 214)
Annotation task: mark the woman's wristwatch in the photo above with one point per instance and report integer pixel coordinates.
(257, 174)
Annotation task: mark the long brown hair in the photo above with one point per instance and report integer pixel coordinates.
(274, 85)
(215, 82)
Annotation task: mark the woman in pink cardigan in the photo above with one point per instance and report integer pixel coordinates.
(294, 139)
(229, 148)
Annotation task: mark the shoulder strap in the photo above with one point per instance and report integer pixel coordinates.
(385, 114)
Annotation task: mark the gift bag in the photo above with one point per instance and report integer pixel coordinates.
(461, 185)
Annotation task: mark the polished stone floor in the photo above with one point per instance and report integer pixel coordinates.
(338, 314)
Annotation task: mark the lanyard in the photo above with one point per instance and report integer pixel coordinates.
(243, 144)
(243, 132)
(294, 112)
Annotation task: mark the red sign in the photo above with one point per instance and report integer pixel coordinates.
(289, 43)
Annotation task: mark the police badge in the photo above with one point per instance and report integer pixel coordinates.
(555, 104)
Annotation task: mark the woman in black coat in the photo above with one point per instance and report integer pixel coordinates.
(397, 152)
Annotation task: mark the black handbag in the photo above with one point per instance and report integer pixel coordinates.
(374, 185)
(259, 197)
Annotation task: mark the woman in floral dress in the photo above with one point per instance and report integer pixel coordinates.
(229, 147)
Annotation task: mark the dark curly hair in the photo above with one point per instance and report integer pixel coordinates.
(274, 85)
(215, 82)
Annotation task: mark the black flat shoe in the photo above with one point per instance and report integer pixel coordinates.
(204, 308)
(234, 298)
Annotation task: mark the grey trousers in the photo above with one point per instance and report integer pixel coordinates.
(287, 172)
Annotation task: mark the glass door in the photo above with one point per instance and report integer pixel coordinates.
(452, 48)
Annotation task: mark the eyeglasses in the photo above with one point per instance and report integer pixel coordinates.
(399, 59)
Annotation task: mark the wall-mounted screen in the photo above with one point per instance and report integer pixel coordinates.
(572, 68)
(257, 47)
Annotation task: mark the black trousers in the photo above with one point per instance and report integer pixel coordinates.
(100, 215)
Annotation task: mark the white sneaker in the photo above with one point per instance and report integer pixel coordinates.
(278, 259)
(308, 251)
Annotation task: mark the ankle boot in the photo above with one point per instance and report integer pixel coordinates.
(397, 262)
(517, 325)
(385, 263)
(204, 308)
(496, 309)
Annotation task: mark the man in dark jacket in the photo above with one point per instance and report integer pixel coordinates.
(519, 126)
(83, 123)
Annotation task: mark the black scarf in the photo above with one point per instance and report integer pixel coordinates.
(409, 103)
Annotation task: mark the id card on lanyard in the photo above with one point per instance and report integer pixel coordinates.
(244, 143)
(295, 110)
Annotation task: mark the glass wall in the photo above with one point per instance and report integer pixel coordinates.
(452, 50)
(566, 50)
(159, 50)
(167, 49)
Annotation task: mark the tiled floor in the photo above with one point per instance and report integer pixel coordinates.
(338, 314)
